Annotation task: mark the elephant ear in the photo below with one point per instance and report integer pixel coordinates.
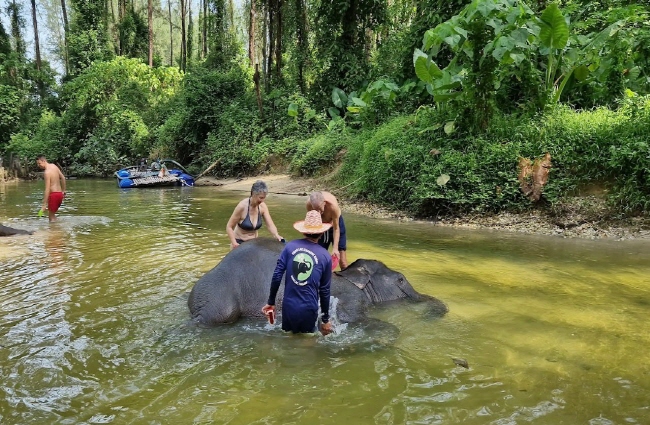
(359, 276)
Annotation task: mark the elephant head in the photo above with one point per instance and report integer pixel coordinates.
(378, 282)
(8, 231)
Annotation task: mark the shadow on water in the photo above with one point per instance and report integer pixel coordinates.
(94, 324)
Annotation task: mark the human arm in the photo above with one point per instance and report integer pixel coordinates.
(276, 281)
(269, 223)
(48, 189)
(62, 179)
(324, 293)
(337, 233)
(232, 222)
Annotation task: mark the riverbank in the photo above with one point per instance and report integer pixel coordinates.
(580, 218)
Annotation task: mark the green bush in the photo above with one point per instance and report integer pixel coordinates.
(318, 153)
(413, 164)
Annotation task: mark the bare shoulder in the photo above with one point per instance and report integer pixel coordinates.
(242, 205)
(51, 169)
(331, 199)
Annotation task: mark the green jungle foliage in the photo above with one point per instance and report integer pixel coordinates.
(425, 105)
(411, 162)
(110, 110)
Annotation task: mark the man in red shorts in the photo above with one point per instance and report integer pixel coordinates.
(54, 186)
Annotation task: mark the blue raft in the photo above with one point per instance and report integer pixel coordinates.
(165, 172)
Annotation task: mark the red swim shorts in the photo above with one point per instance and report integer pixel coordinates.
(54, 201)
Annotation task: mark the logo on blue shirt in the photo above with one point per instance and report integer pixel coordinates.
(302, 267)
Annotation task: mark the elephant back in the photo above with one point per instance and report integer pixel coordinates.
(238, 286)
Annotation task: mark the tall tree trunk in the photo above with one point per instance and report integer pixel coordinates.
(200, 55)
(271, 37)
(171, 34)
(114, 30)
(121, 12)
(189, 45)
(349, 35)
(251, 34)
(17, 25)
(231, 11)
(265, 24)
(278, 39)
(37, 46)
(256, 79)
(150, 18)
(66, 30)
(183, 37)
(301, 35)
(205, 28)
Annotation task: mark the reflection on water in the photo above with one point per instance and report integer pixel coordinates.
(94, 325)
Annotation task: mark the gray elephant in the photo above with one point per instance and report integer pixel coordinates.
(9, 231)
(239, 287)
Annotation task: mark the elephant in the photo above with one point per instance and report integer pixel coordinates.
(8, 231)
(239, 287)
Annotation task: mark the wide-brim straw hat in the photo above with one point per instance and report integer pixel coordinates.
(312, 224)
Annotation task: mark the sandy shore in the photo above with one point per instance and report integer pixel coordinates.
(572, 224)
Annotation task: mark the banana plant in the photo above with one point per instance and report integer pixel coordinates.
(570, 56)
(515, 35)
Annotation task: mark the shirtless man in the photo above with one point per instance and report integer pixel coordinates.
(54, 187)
(328, 206)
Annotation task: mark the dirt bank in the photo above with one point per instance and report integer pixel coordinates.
(579, 219)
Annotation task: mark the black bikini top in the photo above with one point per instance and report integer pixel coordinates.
(246, 224)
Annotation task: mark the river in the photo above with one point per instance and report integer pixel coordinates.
(95, 329)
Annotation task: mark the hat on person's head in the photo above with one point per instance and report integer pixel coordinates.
(312, 224)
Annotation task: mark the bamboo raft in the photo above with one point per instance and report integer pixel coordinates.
(155, 180)
(165, 172)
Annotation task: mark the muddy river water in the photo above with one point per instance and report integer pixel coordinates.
(95, 329)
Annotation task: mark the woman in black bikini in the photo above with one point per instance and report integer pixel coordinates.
(247, 218)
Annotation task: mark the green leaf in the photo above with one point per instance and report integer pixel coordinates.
(517, 57)
(358, 102)
(354, 109)
(449, 127)
(334, 112)
(453, 40)
(461, 31)
(449, 86)
(485, 7)
(392, 86)
(309, 114)
(293, 110)
(444, 97)
(443, 179)
(555, 31)
(430, 128)
(339, 98)
(377, 85)
(634, 73)
(581, 73)
(420, 60)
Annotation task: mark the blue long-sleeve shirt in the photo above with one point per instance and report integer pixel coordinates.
(308, 277)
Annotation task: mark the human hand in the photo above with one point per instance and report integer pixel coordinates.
(336, 253)
(233, 245)
(325, 328)
(269, 312)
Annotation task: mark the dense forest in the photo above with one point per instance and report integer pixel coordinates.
(432, 106)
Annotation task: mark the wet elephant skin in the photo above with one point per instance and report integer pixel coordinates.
(239, 287)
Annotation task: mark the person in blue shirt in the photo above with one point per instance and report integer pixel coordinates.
(308, 277)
